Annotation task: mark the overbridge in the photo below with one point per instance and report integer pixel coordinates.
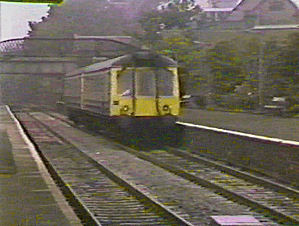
(55, 56)
(31, 69)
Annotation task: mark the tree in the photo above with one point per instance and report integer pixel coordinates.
(93, 18)
(226, 67)
(285, 72)
(181, 48)
(175, 14)
(290, 58)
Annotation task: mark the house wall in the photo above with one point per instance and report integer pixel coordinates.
(277, 12)
(266, 12)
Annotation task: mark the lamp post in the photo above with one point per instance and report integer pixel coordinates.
(261, 74)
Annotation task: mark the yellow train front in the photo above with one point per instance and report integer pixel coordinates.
(139, 89)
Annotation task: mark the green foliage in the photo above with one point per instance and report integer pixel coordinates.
(180, 48)
(225, 66)
(237, 62)
(235, 101)
(176, 17)
(93, 18)
(290, 57)
(281, 64)
(231, 63)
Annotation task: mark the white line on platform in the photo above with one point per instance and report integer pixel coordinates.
(271, 139)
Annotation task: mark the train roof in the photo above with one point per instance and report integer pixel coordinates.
(138, 59)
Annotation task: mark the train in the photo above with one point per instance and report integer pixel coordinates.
(139, 89)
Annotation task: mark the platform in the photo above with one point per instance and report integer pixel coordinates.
(28, 196)
(257, 124)
(266, 144)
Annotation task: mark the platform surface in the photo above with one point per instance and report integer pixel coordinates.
(262, 125)
(25, 195)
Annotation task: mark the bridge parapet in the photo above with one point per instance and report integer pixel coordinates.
(11, 46)
(31, 69)
(41, 66)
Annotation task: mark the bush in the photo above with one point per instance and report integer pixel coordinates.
(294, 109)
(238, 102)
(199, 100)
(195, 102)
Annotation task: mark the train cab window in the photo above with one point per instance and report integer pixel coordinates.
(145, 82)
(165, 82)
(125, 83)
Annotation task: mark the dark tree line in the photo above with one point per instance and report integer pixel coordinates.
(231, 67)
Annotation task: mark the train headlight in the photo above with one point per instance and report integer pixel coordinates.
(165, 108)
(125, 108)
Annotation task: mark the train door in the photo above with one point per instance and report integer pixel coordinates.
(145, 92)
(125, 91)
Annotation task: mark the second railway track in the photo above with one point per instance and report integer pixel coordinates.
(266, 200)
(274, 199)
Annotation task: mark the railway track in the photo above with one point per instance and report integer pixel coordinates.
(100, 196)
(272, 199)
(276, 200)
(258, 192)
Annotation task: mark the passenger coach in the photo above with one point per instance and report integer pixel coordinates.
(132, 89)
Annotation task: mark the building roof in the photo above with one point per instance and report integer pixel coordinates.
(218, 9)
(232, 5)
(237, 13)
(225, 3)
(251, 4)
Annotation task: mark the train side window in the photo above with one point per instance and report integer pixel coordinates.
(145, 82)
(165, 82)
(125, 82)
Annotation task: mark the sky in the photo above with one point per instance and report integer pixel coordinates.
(15, 17)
